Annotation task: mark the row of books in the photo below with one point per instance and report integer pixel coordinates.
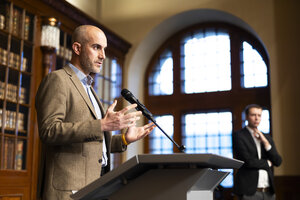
(16, 23)
(64, 53)
(14, 60)
(12, 92)
(10, 120)
(2, 22)
(11, 160)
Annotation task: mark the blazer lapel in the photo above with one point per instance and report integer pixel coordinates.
(80, 88)
(98, 101)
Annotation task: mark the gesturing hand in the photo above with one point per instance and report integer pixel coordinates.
(113, 121)
(136, 133)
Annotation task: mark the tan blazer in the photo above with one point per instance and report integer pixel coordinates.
(70, 133)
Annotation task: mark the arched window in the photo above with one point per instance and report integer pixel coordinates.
(198, 83)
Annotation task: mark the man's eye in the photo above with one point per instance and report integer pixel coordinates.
(96, 47)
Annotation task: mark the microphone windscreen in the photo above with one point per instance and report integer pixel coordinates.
(125, 93)
(128, 95)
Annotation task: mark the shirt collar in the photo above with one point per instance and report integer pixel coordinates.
(250, 129)
(251, 132)
(86, 80)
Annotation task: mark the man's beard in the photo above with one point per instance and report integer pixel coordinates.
(88, 65)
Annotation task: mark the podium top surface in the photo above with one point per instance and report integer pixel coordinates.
(139, 164)
(195, 160)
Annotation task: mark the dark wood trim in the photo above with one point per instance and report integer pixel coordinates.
(287, 187)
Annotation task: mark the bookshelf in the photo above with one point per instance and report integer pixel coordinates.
(21, 70)
(17, 28)
(16, 52)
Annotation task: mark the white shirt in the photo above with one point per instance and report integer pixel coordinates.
(263, 178)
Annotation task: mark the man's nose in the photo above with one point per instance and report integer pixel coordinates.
(102, 54)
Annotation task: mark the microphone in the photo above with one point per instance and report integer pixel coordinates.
(140, 107)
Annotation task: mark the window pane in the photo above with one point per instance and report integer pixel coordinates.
(209, 133)
(254, 69)
(158, 142)
(116, 80)
(108, 83)
(205, 62)
(161, 77)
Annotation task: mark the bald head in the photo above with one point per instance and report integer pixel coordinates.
(81, 33)
(88, 45)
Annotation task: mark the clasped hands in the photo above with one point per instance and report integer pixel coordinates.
(113, 121)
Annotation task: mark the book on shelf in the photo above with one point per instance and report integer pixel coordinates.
(10, 59)
(9, 149)
(5, 155)
(7, 16)
(2, 89)
(24, 64)
(22, 96)
(2, 21)
(16, 22)
(26, 27)
(21, 118)
(11, 92)
(14, 60)
(10, 119)
(19, 155)
(9, 146)
(3, 56)
(10, 122)
(0, 117)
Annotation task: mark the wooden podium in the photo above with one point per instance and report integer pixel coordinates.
(161, 177)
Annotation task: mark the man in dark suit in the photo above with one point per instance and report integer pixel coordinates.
(254, 180)
(73, 127)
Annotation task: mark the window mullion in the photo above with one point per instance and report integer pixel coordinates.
(175, 48)
(235, 46)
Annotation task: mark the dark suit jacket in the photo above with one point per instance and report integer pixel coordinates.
(70, 133)
(244, 148)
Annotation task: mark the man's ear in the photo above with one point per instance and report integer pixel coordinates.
(76, 48)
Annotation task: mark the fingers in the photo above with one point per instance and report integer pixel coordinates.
(112, 106)
(134, 133)
(150, 125)
(132, 115)
(132, 121)
(127, 108)
(148, 130)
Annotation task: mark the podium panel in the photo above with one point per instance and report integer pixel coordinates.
(158, 177)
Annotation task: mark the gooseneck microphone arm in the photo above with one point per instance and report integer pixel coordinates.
(180, 148)
(140, 107)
